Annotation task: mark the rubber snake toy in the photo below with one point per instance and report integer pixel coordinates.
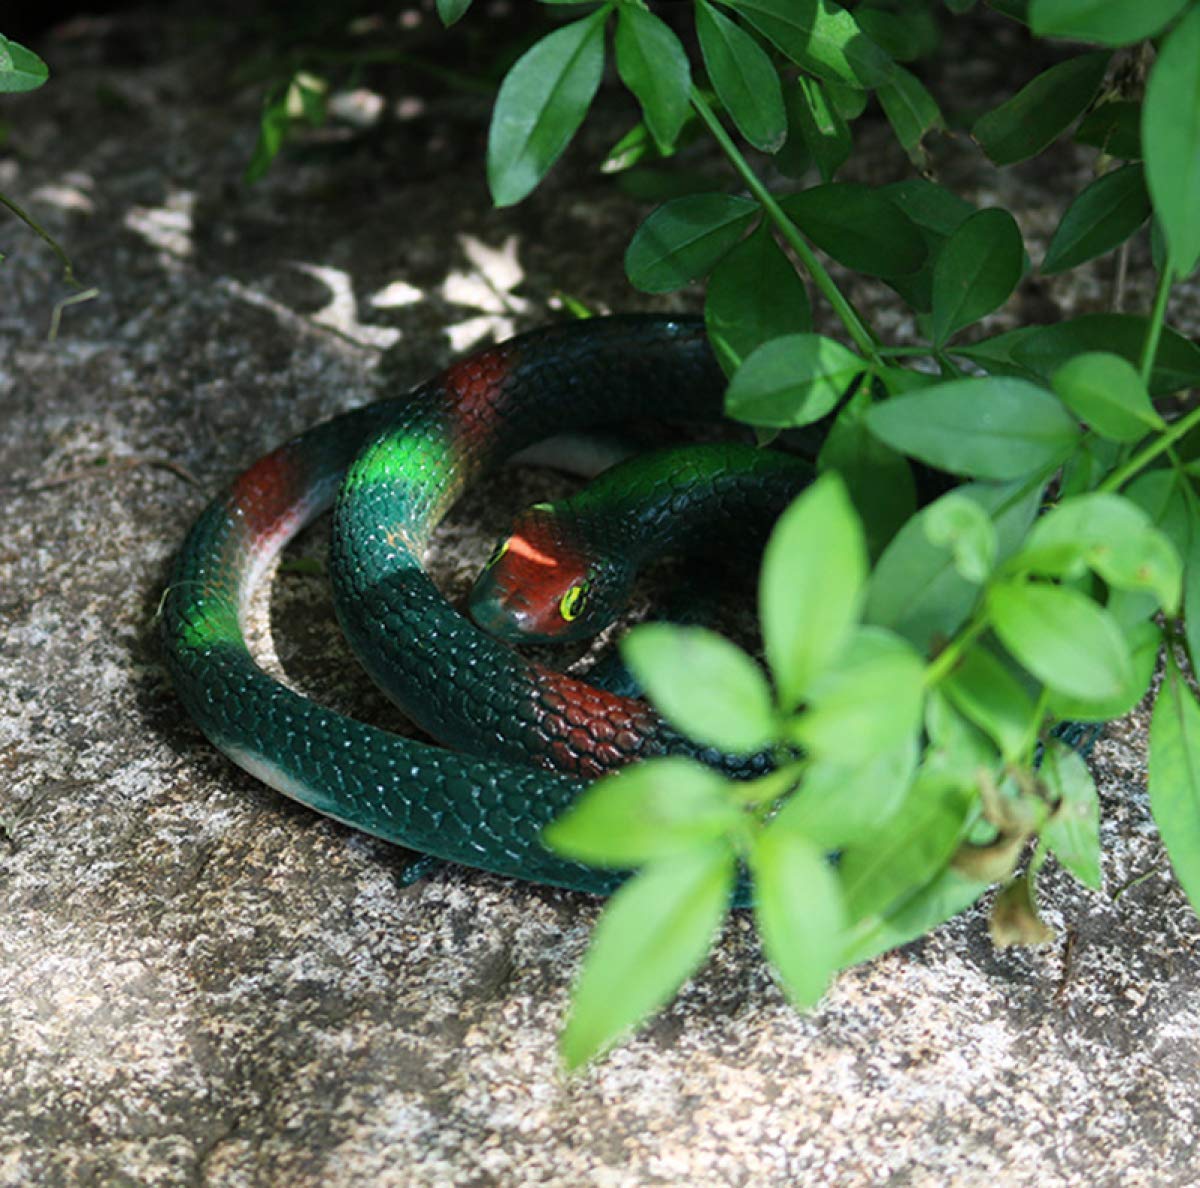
(527, 739)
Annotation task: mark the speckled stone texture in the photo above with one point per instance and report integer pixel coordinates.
(201, 983)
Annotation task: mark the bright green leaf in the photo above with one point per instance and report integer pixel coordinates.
(684, 238)
(1171, 138)
(1073, 832)
(654, 66)
(975, 271)
(1102, 21)
(793, 380)
(705, 686)
(993, 428)
(655, 932)
(645, 812)
(542, 101)
(744, 78)
(1042, 110)
(20, 69)
(986, 691)
(1145, 640)
(810, 586)
(957, 522)
(1106, 214)
(1062, 637)
(813, 117)
(798, 910)
(1107, 392)
(1175, 776)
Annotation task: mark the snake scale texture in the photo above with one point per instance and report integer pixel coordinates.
(526, 740)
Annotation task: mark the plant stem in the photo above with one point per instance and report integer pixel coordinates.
(854, 324)
(1157, 316)
(1143, 457)
(68, 271)
(941, 665)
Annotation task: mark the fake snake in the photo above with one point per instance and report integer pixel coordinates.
(528, 739)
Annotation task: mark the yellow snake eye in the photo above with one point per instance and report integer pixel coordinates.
(499, 552)
(571, 604)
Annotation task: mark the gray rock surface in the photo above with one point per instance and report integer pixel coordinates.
(201, 983)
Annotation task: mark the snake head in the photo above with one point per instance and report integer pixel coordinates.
(544, 585)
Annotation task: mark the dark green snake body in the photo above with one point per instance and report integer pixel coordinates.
(404, 461)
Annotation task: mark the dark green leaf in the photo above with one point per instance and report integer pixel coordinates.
(976, 270)
(541, 103)
(798, 910)
(1102, 21)
(1106, 214)
(655, 931)
(879, 480)
(905, 33)
(744, 78)
(1073, 832)
(915, 588)
(1114, 128)
(705, 686)
(1042, 110)
(810, 586)
(1062, 637)
(912, 111)
(986, 692)
(858, 227)
(20, 69)
(645, 812)
(1171, 138)
(820, 36)
(654, 66)
(452, 10)
(754, 295)
(813, 117)
(684, 238)
(1107, 392)
(1175, 776)
(1045, 349)
(937, 212)
(793, 380)
(993, 428)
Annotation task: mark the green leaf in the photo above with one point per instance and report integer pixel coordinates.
(1190, 552)
(915, 588)
(798, 910)
(1145, 640)
(879, 480)
(1102, 21)
(705, 686)
(20, 69)
(684, 238)
(1171, 138)
(451, 11)
(645, 812)
(937, 212)
(793, 380)
(1044, 349)
(655, 931)
(976, 270)
(958, 523)
(273, 128)
(1062, 637)
(1106, 214)
(813, 117)
(909, 849)
(542, 102)
(654, 66)
(1042, 110)
(810, 586)
(820, 36)
(994, 428)
(859, 227)
(754, 295)
(1175, 776)
(986, 691)
(1114, 128)
(906, 34)
(1073, 832)
(744, 78)
(912, 111)
(1109, 535)
(868, 703)
(1107, 392)
(839, 803)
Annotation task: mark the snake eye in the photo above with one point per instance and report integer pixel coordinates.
(497, 553)
(572, 602)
